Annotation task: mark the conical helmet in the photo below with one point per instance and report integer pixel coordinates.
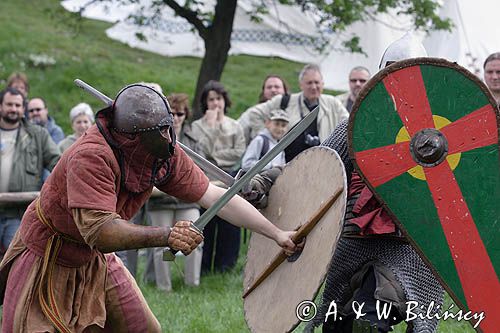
(406, 47)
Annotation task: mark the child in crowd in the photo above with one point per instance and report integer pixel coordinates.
(276, 127)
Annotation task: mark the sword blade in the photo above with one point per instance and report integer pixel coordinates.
(271, 154)
(212, 170)
(202, 221)
(94, 92)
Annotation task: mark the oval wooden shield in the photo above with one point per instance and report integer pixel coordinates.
(306, 183)
(424, 135)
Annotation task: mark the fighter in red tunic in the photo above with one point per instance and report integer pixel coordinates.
(60, 273)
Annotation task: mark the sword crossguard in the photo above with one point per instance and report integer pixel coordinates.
(169, 254)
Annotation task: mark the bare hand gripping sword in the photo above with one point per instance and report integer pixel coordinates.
(202, 221)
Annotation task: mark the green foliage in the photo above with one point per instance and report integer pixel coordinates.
(215, 306)
(84, 51)
(353, 44)
(338, 14)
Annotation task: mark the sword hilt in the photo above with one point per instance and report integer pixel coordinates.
(169, 253)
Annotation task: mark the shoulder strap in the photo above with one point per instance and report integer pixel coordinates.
(265, 146)
(284, 101)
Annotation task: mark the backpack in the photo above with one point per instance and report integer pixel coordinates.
(265, 146)
(284, 102)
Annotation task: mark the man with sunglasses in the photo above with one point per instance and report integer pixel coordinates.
(38, 113)
(358, 77)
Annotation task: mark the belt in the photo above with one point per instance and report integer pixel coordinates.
(46, 295)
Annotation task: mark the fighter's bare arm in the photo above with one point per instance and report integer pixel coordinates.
(241, 213)
(115, 234)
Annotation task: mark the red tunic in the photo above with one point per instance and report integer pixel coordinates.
(370, 216)
(87, 176)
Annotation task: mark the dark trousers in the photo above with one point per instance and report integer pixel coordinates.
(365, 295)
(221, 244)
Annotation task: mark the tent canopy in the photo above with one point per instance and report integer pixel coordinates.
(289, 33)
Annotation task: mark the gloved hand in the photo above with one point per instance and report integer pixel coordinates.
(259, 186)
(184, 237)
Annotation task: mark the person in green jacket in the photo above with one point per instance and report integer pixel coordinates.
(25, 150)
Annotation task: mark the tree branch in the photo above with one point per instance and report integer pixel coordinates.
(189, 15)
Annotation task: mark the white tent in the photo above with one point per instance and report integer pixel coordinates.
(285, 32)
(289, 33)
(475, 36)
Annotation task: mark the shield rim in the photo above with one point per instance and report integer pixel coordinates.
(440, 62)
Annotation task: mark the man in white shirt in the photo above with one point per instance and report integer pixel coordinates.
(25, 150)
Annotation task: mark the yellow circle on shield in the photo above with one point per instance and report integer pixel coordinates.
(418, 171)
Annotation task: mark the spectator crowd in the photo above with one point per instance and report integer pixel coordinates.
(31, 144)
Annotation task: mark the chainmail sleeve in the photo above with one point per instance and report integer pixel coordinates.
(338, 141)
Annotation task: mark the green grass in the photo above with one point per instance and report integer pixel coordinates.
(42, 27)
(216, 305)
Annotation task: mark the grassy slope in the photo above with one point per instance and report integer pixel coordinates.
(42, 27)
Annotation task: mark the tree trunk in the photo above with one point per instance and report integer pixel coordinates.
(217, 45)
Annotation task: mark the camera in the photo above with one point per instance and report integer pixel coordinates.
(311, 140)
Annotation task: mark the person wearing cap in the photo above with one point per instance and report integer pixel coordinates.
(82, 117)
(60, 272)
(276, 127)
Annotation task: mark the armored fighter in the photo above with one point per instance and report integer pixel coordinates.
(373, 261)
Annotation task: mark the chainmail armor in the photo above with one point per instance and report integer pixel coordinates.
(413, 275)
(416, 279)
(338, 142)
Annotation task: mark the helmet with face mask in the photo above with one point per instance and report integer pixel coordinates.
(141, 110)
(406, 47)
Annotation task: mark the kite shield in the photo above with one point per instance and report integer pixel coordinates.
(307, 183)
(424, 136)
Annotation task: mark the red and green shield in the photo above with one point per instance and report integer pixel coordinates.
(424, 135)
